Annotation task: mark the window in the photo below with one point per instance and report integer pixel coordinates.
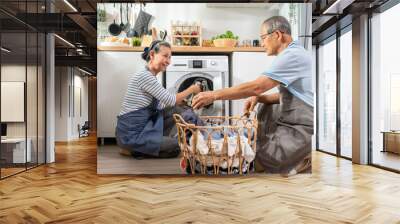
(385, 89)
(22, 77)
(327, 96)
(346, 93)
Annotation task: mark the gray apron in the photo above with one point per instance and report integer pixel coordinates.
(285, 132)
(141, 130)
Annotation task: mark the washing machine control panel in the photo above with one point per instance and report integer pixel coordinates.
(202, 63)
(197, 64)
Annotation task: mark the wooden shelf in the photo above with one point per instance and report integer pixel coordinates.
(194, 36)
(185, 25)
(186, 49)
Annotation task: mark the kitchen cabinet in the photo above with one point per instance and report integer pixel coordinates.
(247, 66)
(114, 69)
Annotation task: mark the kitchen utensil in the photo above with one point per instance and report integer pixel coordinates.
(154, 33)
(146, 40)
(132, 32)
(178, 41)
(101, 15)
(114, 29)
(127, 25)
(142, 22)
(163, 35)
(194, 41)
(246, 43)
(122, 25)
(207, 43)
(256, 43)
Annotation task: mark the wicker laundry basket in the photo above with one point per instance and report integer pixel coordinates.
(231, 152)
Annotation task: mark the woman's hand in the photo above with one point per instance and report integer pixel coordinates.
(195, 88)
(203, 99)
(249, 104)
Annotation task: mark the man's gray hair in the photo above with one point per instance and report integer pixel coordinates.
(277, 23)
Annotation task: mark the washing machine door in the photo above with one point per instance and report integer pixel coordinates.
(214, 81)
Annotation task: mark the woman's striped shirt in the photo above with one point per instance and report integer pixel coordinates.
(142, 88)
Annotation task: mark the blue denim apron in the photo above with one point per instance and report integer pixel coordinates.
(141, 130)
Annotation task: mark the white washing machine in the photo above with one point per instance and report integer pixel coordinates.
(184, 70)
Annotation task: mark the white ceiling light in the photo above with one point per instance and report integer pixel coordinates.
(70, 5)
(64, 40)
(5, 50)
(86, 72)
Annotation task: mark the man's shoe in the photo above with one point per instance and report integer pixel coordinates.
(302, 166)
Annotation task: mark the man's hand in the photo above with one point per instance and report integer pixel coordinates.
(249, 104)
(203, 99)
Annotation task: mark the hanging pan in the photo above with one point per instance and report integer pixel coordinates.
(114, 29)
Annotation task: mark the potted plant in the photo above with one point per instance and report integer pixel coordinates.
(136, 41)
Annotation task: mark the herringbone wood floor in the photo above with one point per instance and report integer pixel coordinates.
(70, 191)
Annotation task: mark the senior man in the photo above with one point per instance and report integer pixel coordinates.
(286, 118)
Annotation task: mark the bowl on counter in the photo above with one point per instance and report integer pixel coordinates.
(225, 42)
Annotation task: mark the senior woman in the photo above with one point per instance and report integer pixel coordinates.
(140, 124)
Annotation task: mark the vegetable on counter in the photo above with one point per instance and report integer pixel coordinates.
(227, 35)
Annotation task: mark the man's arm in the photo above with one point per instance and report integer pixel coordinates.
(251, 102)
(247, 89)
(252, 88)
(269, 99)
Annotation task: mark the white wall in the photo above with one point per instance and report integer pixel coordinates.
(33, 126)
(14, 73)
(61, 103)
(244, 22)
(17, 73)
(68, 81)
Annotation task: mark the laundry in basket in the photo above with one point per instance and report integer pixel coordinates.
(247, 152)
(221, 142)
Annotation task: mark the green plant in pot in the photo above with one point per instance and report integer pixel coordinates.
(136, 41)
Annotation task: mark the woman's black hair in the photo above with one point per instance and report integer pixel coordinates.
(154, 46)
